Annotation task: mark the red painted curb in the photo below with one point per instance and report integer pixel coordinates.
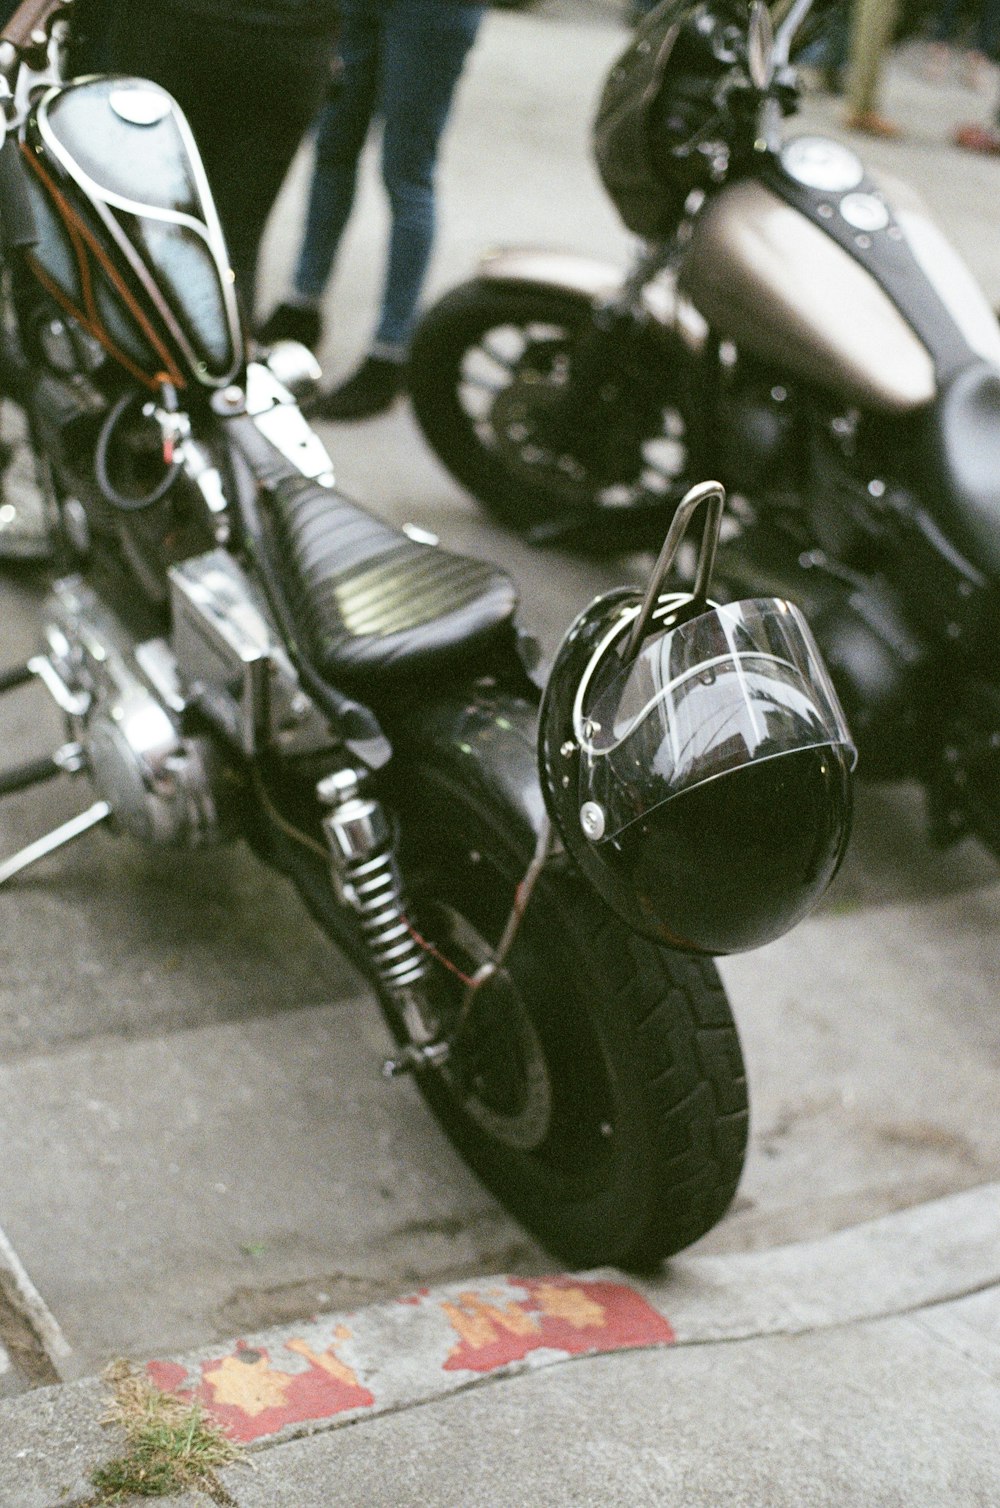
(421, 1346)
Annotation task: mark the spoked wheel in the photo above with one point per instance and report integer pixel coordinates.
(595, 1083)
(489, 378)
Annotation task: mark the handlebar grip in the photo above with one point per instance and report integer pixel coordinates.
(30, 17)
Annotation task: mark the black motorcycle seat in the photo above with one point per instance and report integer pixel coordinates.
(372, 606)
(965, 463)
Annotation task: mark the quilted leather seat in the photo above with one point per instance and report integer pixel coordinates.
(372, 606)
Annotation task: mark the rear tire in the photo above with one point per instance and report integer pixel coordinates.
(599, 1091)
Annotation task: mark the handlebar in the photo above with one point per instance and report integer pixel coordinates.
(28, 26)
(784, 36)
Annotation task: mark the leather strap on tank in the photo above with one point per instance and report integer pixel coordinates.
(887, 257)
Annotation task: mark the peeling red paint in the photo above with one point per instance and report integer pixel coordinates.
(167, 1376)
(559, 1314)
(250, 1397)
(491, 1326)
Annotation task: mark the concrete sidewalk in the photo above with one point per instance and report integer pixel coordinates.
(182, 1162)
(862, 1368)
(190, 1097)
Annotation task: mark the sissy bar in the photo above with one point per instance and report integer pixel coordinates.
(68, 759)
(713, 495)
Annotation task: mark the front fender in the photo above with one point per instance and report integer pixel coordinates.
(565, 270)
(596, 281)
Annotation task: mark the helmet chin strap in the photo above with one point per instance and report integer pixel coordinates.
(713, 494)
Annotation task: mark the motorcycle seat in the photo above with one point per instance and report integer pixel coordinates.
(965, 463)
(373, 607)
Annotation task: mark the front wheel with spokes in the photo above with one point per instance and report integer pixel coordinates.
(492, 384)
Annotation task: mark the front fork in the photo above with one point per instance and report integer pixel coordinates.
(601, 354)
(601, 351)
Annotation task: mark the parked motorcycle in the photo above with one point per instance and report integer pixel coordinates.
(241, 652)
(790, 325)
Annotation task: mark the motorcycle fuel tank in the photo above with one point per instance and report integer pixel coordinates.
(129, 241)
(764, 276)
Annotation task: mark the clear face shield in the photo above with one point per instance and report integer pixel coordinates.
(729, 688)
(696, 759)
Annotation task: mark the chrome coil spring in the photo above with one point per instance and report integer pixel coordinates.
(364, 866)
(377, 894)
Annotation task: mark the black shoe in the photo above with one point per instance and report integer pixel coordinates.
(301, 322)
(371, 390)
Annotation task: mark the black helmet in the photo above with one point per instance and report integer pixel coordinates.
(660, 107)
(696, 761)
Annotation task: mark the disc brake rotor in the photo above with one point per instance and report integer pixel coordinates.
(540, 441)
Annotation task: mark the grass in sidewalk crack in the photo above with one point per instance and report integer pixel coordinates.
(170, 1445)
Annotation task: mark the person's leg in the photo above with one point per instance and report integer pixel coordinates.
(247, 164)
(425, 45)
(340, 135)
(341, 129)
(871, 32)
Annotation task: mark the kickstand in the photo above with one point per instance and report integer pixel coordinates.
(69, 759)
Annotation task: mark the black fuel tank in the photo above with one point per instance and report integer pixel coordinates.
(129, 239)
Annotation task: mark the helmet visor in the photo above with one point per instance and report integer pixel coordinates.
(733, 687)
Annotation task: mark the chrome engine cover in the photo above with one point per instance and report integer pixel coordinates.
(163, 786)
(231, 663)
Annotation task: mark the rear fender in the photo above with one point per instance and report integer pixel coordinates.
(488, 741)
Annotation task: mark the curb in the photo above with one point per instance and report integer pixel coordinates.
(339, 1368)
(31, 1313)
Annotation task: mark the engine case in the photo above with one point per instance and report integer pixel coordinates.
(164, 787)
(879, 667)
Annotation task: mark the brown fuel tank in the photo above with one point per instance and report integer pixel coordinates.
(766, 277)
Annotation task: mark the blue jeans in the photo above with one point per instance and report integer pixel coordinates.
(401, 62)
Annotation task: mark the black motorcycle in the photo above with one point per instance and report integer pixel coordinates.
(241, 652)
(791, 326)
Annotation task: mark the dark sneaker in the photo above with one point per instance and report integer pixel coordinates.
(371, 390)
(301, 322)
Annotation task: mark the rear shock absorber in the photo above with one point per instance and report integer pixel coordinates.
(367, 878)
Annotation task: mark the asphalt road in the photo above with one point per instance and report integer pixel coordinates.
(196, 1141)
